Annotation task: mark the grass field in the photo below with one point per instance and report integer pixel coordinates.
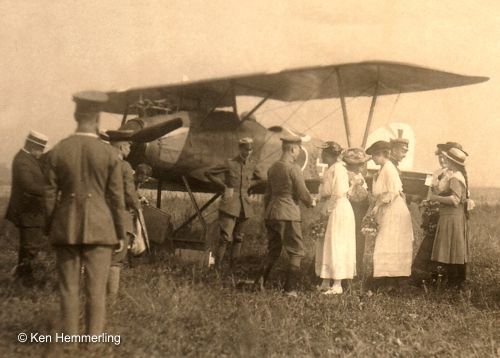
(166, 308)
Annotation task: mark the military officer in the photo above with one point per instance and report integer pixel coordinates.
(26, 209)
(285, 189)
(119, 140)
(399, 149)
(239, 174)
(85, 202)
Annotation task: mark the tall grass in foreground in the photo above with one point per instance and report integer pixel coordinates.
(167, 308)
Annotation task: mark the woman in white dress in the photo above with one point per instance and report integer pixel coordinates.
(394, 242)
(336, 252)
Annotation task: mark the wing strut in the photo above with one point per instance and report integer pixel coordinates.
(254, 109)
(235, 106)
(344, 109)
(125, 113)
(370, 115)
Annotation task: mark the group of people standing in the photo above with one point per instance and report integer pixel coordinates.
(83, 194)
(347, 203)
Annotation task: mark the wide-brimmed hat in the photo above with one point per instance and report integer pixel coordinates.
(355, 156)
(456, 155)
(448, 145)
(378, 147)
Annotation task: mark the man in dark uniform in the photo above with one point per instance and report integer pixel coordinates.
(285, 189)
(26, 209)
(119, 140)
(399, 149)
(85, 202)
(239, 174)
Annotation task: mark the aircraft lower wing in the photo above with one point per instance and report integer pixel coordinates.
(302, 84)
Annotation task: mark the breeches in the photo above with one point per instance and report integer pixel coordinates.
(231, 228)
(96, 259)
(288, 235)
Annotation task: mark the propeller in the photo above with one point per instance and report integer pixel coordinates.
(156, 131)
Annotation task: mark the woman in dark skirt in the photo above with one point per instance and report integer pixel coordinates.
(423, 268)
(355, 159)
(450, 248)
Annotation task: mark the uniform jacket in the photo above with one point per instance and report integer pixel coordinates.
(85, 196)
(131, 198)
(239, 175)
(26, 206)
(285, 188)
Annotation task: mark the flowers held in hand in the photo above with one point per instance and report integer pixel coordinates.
(430, 216)
(318, 228)
(369, 226)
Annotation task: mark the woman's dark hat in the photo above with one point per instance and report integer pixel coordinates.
(378, 147)
(355, 156)
(449, 145)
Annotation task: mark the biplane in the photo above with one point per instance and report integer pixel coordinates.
(183, 129)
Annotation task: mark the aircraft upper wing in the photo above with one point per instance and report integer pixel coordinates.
(301, 84)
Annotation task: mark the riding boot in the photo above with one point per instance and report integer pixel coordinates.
(291, 279)
(235, 253)
(113, 284)
(264, 275)
(219, 255)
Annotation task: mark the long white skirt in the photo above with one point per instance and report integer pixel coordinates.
(394, 242)
(336, 252)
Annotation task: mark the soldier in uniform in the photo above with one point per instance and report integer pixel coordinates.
(26, 209)
(285, 189)
(85, 202)
(399, 149)
(239, 174)
(119, 140)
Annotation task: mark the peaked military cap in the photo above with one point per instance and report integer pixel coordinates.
(120, 135)
(399, 139)
(37, 138)
(89, 101)
(246, 142)
(291, 139)
(378, 147)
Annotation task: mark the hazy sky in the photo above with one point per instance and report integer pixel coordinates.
(51, 49)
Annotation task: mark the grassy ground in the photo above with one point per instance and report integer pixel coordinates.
(166, 308)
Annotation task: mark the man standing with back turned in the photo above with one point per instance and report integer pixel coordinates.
(25, 208)
(85, 202)
(285, 188)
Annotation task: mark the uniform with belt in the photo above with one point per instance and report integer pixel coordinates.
(285, 189)
(239, 174)
(26, 209)
(85, 203)
(119, 141)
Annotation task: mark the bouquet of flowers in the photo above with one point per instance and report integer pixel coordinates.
(318, 228)
(430, 217)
